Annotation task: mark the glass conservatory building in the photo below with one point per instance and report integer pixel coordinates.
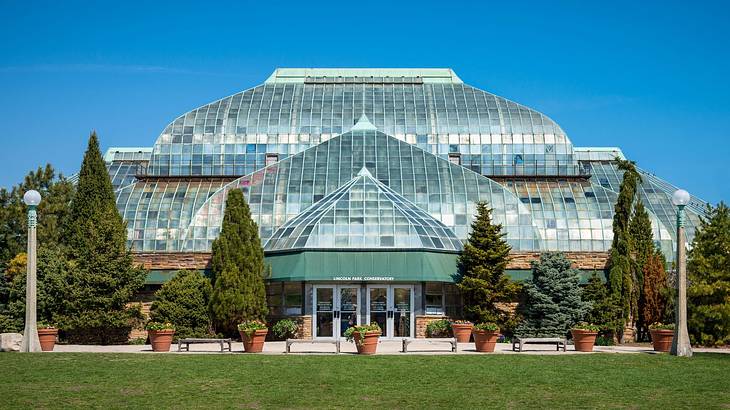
(364, 182)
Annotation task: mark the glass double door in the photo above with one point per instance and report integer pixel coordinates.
(335, 309)
(391, 307)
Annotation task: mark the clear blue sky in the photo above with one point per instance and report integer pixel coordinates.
(649, 77)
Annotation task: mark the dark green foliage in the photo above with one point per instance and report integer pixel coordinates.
(50, 288)
(642, 247)
(101, 278)
(483, 283)
(708, 269)
(56, 192)
(552, 302)
(183, 301)
(285, 329)
(438, 328)
(605, 310)
(620, 264)
(239, 293)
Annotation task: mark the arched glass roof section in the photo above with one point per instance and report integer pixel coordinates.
(363, 214)
(290, 113)
(446, 191)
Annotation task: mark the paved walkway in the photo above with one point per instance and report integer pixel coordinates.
(385, 347)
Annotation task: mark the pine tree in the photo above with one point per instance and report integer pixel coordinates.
(605, 310)
(483, 283)
(708, 270)
(655, 293)
(238, 269)
(183, 301)
(101, 278)
(552, 302)
(641, 240)
(620, 263)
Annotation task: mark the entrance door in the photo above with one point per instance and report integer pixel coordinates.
(391, 307)
(336, 309)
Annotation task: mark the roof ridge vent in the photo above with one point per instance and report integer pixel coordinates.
(364, 173)
(363, 124)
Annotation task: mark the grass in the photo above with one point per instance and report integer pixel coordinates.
(265, 381)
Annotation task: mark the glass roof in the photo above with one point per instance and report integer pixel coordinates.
(363, 214)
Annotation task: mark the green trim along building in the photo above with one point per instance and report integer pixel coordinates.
(364, 183)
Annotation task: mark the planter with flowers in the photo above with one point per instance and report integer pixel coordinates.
(584, 336)
(462, 330)
(160, 335)
(253, 335)
(365, 337)
(662, 336)
(485, 336)
(47, 335)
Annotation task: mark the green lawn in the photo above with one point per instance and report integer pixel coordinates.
(463, 381)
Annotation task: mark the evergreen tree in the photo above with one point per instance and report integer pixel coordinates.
(552, 302)
(238, 267)
(101, 278)
(655, 293)
(183, 301)
(708, 269)
(483, 283)
(620, 277)
(605, 310)
(642, 245)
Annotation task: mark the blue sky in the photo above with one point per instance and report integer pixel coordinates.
(650, 78)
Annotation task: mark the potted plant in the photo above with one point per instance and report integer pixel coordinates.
(462, 330)
(485, 336)
(365, 337)
(584, 336)
(438, 328)
(285, 329)
(47, 335)
(160, 335)
(253, 335)
(661, 336)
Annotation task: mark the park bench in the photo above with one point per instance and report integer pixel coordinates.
(559, 342)
(190, 341)
(290, 342)
(451, 340)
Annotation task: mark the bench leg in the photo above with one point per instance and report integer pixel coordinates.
(337, 346)
(288, 348)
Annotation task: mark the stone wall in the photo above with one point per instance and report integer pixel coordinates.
(201, 260)
(143, 299)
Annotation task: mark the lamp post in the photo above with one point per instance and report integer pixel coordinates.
(30, 336)
(680, 343)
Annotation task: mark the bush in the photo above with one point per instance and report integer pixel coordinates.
(285, 329)
(438, 328)
(488, 327)
(183, 301)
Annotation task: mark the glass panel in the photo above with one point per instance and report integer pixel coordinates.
(379, 308)
(325, 303)
(402, 312)
(348, 309)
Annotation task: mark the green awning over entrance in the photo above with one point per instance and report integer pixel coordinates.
(356, 266)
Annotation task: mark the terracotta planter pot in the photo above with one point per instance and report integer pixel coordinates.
(462, 332)
(369, 345)
(485, 340)
(661, 339)
(161, 340)
(47, 338)
(255, 342)
(584, 340)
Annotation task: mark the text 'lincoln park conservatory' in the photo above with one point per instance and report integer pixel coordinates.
(364, 183)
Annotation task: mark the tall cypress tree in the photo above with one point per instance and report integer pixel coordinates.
(483, 283)
(655, 292)
(620, 264)
(708, 269)
(101, 277)
(642, 248)
(238, 269)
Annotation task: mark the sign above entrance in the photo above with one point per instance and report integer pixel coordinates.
(364, 278)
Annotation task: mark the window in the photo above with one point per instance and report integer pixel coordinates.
(453, 301)
(455, 159)
(284, 298)
(272, 159)
(434, 298)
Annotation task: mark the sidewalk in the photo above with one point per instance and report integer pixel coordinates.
(391, 347)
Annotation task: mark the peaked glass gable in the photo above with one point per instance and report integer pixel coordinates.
(363, 214)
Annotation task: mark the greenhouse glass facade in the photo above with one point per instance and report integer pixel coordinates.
(364, 182)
